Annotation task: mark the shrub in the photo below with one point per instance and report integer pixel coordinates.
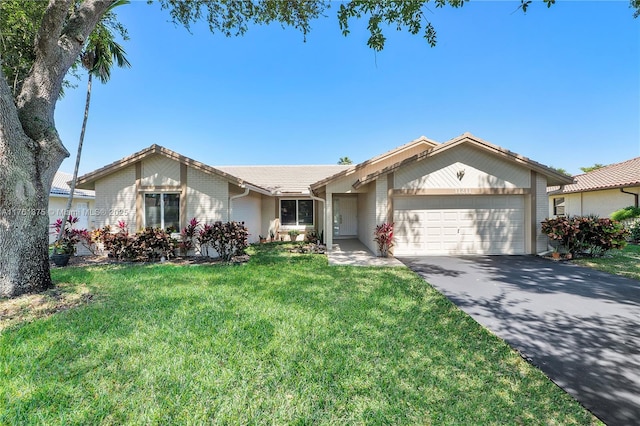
(187, 236)
(293, 234)
(384, 238)
(560, 229)
(634, 232)
(154, 243)
(312, 237)
(626, 213)
(205, 238)
(70, 236)
(149, 244)
(228, 239)
(588, 235)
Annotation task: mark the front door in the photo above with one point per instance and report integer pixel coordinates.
(345, 219)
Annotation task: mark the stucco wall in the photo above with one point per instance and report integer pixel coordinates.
(207, 197)
(462, 167)
(367, 217)
(116, 199)
(247, 209)
(57, 206)
(601, 203)
(158, 170)
(541, 212)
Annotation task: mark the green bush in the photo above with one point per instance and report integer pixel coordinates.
(227, 239)
(293, 234)
(312, 237)
(586, 235)
(634, 232)
(626, 213)
(149, 244)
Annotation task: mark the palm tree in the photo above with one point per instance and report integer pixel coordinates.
(97, 58)
(345, 161)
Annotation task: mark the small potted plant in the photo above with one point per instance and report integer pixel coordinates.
(272, 236)
(262, 239)
(65, 245)
(384, 238)
(293, 234)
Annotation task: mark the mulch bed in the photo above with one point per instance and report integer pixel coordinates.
(96, 260)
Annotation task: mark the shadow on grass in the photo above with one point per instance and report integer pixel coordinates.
(283, 338)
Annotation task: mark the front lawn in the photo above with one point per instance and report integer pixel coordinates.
(283, 339)
(624, 262)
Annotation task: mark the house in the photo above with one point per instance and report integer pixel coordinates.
(599, 192)
(82, 206)
(463, 196)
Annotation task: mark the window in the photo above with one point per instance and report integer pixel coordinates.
(558, 206)
(296, 212)
(162, 210)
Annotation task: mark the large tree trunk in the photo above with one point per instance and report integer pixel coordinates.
(24, 258)
(31, 150)
(26, 173)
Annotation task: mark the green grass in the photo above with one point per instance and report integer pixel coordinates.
(284, 339)
(624, 262)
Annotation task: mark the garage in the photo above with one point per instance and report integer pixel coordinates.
(459, 224)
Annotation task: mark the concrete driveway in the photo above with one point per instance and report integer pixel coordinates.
(580, 326)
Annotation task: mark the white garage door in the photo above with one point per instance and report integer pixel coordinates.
(446, 225)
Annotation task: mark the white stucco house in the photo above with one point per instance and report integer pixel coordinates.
(598, 192)
(463, 196)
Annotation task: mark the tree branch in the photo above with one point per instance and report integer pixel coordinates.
(9, 122)
(51, 26)
(58, 43)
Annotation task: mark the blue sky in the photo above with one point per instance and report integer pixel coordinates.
(560, 86)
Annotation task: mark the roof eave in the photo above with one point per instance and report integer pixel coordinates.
(376, 159)
(88, 180)
(599, 188)
(556, 177)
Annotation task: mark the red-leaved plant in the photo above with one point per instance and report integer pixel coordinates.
(187, 235)
(586, 235)
(70, 236)
(146, 245)
(384, 238)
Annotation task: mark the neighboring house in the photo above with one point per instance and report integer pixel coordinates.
(464, 196)
(600, 192)
(82, 206)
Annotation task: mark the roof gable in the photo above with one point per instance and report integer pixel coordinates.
(467, 138)
(377, 162)
(88, 180)
(618, 175)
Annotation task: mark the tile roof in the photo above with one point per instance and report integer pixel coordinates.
(285, 179)
(60, 187)
(617, 175)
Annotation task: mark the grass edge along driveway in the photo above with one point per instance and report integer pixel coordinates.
(284, 339)
(625, 262)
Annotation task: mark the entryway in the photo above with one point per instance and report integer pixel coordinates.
(351, 252)
(345, 216)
